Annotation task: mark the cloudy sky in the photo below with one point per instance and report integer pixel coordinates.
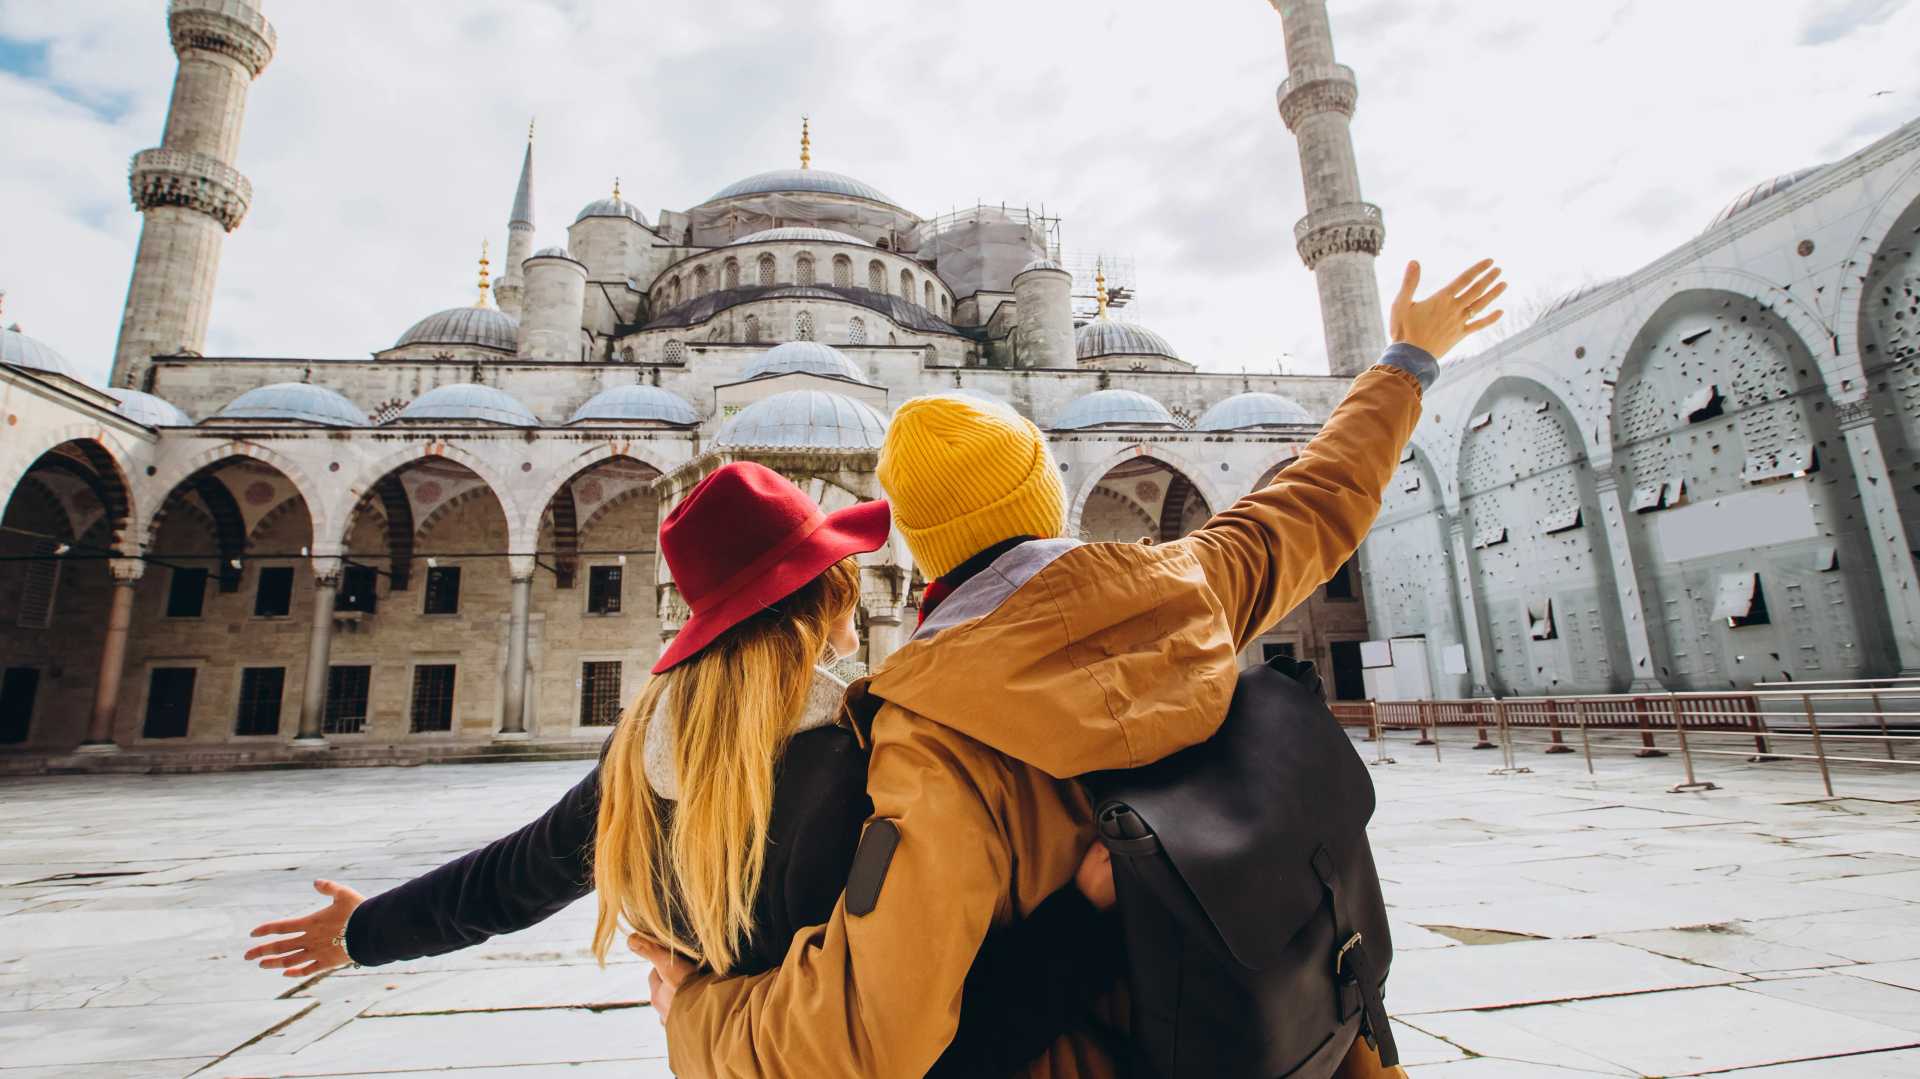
(1574, 141)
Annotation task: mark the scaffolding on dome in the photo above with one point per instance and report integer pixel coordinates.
(981, 248)
(1121, 281)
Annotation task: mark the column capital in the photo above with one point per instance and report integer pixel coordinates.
(1852, 414)
(126, 570)
(327, 570)
(521, 567)
(1605, 481)
(1316, 88)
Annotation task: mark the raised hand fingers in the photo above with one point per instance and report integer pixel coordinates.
(287, 925)
(1478, 288)
(1408, 284)
(288, 959)
(1459, 284)
(1481, 324)
(307, 971)
(282, 946)
(1483, 300)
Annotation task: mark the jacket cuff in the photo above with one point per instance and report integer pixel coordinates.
(359, 950)
(1414, 360)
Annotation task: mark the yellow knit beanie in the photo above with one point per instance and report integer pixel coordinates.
(965, 473)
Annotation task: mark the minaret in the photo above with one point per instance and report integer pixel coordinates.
(519, 236)
(1341, 235)
(187, 187)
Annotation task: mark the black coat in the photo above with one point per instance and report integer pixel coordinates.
(1031, 982)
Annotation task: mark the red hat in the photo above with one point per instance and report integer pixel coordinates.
(746, 538)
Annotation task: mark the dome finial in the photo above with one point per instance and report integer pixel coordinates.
(530, 121)
(616, 189)
(482, 301)
(1100, 286)
(806, 144)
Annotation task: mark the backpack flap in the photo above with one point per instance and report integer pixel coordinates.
(1241, 815)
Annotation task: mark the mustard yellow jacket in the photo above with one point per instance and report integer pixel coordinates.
(1059, 660)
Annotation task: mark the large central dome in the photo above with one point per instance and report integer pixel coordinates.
(819, 181)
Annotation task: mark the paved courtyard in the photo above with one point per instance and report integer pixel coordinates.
(1548, 924)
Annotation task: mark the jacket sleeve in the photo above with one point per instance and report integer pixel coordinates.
(510, 884)
(874, 994)
(1270, 550)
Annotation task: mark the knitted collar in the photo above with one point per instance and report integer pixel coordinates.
(939, 590)
(821, 710)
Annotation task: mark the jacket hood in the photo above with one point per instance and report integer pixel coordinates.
(822, 710)
(1072, 657)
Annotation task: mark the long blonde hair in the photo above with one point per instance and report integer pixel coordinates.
(688, 877)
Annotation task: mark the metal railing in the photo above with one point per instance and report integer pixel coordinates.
(1870, 723)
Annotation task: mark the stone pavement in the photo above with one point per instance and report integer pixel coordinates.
(1547, 924)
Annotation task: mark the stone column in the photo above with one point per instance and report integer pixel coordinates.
(1626, 582)
(1892, 549)
(313, 694)
(1473, 634)
(513, 723)
(113, 657)
(883, 634)
(673, 613)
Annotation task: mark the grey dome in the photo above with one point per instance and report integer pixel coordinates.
(295, 402)
(636, 403)
(782, 181)
(612, 207)
(19, 350)
(554, 252)
(800, 235)
(804, 419)
(1245, 410)
(1111, 337)
(145, 408)
(802, 357)
(1759, 193)
(1041, 264)
(467, 401)
(1123, 408)
(479, 327)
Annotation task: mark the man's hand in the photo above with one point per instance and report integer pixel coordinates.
(669, 970)
(311, 944)
(1443, 320)
(1094, 878)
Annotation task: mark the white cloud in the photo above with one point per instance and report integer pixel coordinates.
(1573, 141)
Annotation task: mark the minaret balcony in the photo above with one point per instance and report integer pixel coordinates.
(1350, 228)
(232, 28)
(200, 182)
(1312, 89)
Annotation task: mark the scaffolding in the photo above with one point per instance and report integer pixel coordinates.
(1121, 283)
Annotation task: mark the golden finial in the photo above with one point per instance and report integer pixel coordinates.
(1100, 286)
(530, 120)
(616, 189)
(806, 145)
(482, 301)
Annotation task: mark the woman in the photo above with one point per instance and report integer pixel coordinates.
(725, 811)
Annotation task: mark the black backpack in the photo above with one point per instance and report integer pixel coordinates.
(1256, 935)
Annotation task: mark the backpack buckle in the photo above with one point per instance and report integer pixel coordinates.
(1340, 957)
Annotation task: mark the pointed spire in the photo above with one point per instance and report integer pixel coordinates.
(483, 300)
(1100, 286)
(616, 189)
(806, 145)
(523, 196)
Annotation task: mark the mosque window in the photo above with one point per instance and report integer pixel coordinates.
(673, 292)
(37, 590)
(443, 590)
(18, 687)
(1340, 585)
(346, 711)
(274, 595)
(803, 270)
(1739, 599)
(943, 307)
(433, 697)
(702, 281)
(599, 693)
(766, 271)
(753, 328)
(842, 272)
(675, 352)
(357, 590)
(603, 590)
(803, 326)
(927, 301)
(857, 331)
(1540, 621)
(877, 276)
(906, 286)
(169, 702)
(187, 592)
(259, 711)
(730, 274)
(626, 354)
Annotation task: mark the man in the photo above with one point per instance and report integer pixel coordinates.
(1038, 659)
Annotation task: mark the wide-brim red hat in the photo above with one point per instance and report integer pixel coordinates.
(746, 538)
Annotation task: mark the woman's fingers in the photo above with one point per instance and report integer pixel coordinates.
(1408, 284)
(1484, 300)
(283, 946)
(1479, 287)
(285, 925)
(1481, 324)
(1459, 284)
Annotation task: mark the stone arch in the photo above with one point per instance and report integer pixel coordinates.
(107, 459)
(322, 512)
(1883, 228)
(565, 473)
(1407, 559)
(368, 478)
(1210, 497)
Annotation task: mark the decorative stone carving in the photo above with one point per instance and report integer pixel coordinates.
(196, 181)
(231, 28)
(1315, 89)
(1355, 227)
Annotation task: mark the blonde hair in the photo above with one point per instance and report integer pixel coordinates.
(688, 876)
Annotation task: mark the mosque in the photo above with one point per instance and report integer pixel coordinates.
(1698, 475)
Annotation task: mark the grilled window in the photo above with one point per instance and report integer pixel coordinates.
(186, 592)
(42, 581)
(766, 271)
(346, 711)
(433, 697)
(600, 693)
(260, 700)
(731, 274)
(443, 590)
(603, 590)
(856, 331)
(803, 270)
(803, 326)
(169, 702)
(358, 590)
(274, 597)
(842, 272)
(877, 276)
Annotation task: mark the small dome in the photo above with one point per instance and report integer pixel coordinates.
(1041, 264)
(1111, 337)
(802, 357)
(145, 408)
(800, 235)
(612, 207)
(19, 350)
(1241, 411)
(1759, 193)
(294, 402)
(1116, 408)
(627, 404)
(554, 252)
(787, 181)
(467, 401)
(477, 327)
(804, 419)
(1571, 297)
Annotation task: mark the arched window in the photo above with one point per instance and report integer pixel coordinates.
(803, 270)
(766, 271)
(803, 326)
(928, 301)
(673, 292)
(626, 354)
(857, 331)
(906, 286)
(675, 352)
(943, 307)
(753, 328)
(877, 276)
(702, 281)
(730, 274)
(842, 272)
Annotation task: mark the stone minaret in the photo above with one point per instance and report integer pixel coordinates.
(187, 187)
(509, 292)
(1341, 235)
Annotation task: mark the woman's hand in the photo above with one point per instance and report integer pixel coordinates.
(1443, 320)
(669, 970)
(1094, 878)
(312, 944)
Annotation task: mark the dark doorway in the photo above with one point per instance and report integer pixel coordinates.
(18, 688)
(1349, 683)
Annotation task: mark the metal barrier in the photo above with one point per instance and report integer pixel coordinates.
(1825, 723)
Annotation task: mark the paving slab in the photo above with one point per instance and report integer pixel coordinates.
(1535, 971)
(102, 1036)
(1845, 994)
(1728, 947)
(1899, 1064)
(546, 1038)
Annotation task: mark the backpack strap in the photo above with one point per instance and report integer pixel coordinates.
(1356, 986)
